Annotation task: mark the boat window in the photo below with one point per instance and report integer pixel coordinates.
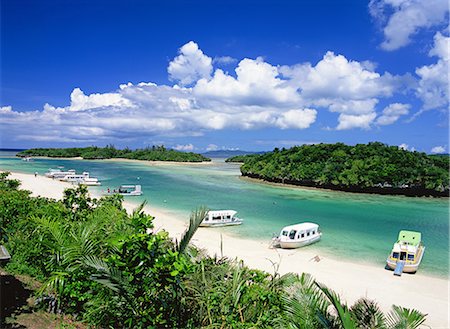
(411, 257)
(303, 235)
(292, 234)
(285, 233)
(307, 234)
(216, 218)
(395, 255)
(402, 255)
(228, 217)
(314, 232)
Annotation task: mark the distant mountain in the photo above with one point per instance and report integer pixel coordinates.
(228, 153)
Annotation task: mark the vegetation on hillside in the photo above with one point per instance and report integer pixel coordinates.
(154, 153)
(110, 269)
(373, 167)
(241, 158)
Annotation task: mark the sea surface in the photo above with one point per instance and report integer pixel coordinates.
(356, 227)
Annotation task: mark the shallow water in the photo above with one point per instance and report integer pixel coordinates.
(357, 227)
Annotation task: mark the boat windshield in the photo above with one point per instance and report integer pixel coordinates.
(292, 234)
(395, 255)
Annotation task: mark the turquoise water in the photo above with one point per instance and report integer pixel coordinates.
(356, 227)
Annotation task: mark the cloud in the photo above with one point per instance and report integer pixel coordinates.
(186, 148)
(392, 113)
(190, 65)
(212, 147)
(438, 149)
(404, 18)
(224, 60)
(296, 119)
(403, 146)
(433, 87)
(349, 121)
(259, 95)
(256, 83)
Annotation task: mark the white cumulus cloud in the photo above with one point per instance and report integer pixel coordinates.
(403, 146)
(392, 113)
(438, 149)
(433, 87)
(186, 148)
(404, 18)
(258, 95)
(190, 65)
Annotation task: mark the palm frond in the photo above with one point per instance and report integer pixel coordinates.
(343, 312)
(195, 219)
(368, 314)
(404, 318)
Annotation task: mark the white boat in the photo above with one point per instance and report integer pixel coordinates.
(221, 218)
(27, 159)
(126, 190)
(58, 173)
(297, 235)
(407, 253)
(84, 179)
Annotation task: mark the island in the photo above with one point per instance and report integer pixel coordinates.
(154, 153)
(366, 168)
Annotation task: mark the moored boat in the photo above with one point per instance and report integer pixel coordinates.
(132, 190)
(58, 173)
(297, 235)
(221, 218)
(83, 178)
(407, 253)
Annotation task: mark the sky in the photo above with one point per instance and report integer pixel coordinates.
(212, 75)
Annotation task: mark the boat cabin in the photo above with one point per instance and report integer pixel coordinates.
(299, 231)
(406, 247)
(126, 190)
(221, 218)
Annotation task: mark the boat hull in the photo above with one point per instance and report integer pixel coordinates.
(231, 223)
(409, 267)
(297, 243)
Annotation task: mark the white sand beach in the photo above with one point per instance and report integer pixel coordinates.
(350, 280)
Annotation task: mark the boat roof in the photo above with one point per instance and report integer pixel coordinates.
(409, 237)
(221, 212)
(129, 186)
(301, 226)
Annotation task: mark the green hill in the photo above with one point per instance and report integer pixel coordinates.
(154, 153)
(367, 168)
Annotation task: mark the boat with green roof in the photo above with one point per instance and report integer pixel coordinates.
(407, 253)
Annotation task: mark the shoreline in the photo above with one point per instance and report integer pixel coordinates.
(314, 188)
(351, 281)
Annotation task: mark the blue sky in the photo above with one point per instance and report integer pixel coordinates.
(205, 75)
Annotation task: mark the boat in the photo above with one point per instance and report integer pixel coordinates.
(27, 159)
(407, 253)
(58, 173)
(84, 179)
(297, 235)
(216, 218)
(126, 190)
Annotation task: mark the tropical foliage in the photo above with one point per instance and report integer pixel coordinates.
(154, 153)
(111, 269)
(373, 167)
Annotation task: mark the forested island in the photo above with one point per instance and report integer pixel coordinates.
(365, 168)
(154, 153)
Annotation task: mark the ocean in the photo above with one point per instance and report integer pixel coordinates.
(356, 227)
